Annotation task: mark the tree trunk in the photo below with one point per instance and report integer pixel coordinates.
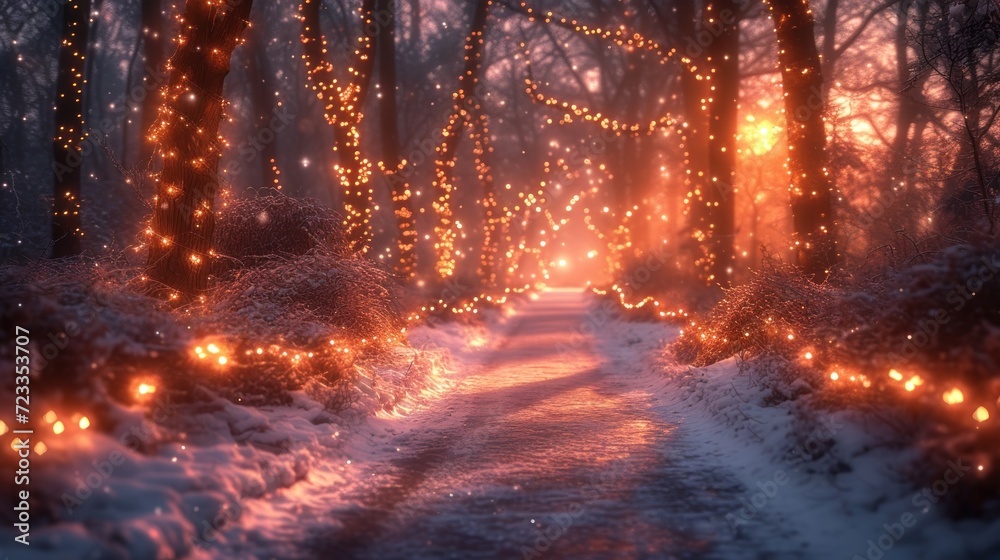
(187, 139)
(402, 206)
(492, 223)
(153, 72)
(342, 109)
(900, 178)
(69, 130)
(828, 52)
(444, 165)
(724, 85)
(694, 137)
(416, 22)
(262, 94)
(810, 188)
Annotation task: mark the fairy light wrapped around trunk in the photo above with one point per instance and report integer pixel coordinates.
(466, 105)
(189, 145)
(809, 183)
(342, 110)
(402, 203)
(69, 130)
(717, 201)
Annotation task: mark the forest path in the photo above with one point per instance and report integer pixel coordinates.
(545, 451)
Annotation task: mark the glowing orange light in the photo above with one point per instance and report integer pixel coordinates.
(955, 396)
(981, 414)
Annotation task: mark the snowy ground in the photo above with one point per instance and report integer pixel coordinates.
(554, 431)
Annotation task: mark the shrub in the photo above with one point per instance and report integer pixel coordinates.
(250, 231)
(774, 309)
(898, 342)
(312, 297)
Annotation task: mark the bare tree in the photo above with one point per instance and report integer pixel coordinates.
(961, 47)
(465, 102)
(810, 187)
(188, 143)
(402, 205)
(723, 120)
(342, 110)
(69, 130)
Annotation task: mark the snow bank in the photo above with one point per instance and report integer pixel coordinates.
(818, 482)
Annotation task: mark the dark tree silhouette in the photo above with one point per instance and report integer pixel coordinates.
(723, 114)
(811, 191)
(155, 56)
(187, 137)
(960, 45)
(69, 130)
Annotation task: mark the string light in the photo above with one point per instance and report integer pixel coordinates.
(189, 146)
(341, 99)
(466, 112)
(70, 133)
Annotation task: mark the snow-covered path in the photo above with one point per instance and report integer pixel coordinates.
(548, 449)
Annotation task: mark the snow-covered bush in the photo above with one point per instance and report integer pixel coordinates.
(774, 310)
(84, 322)
(291, 320)
(919, 347)
(249, 231)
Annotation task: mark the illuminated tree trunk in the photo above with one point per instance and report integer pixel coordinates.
(724, 93)
(187, 139)
(810, 188)
(492, 222)
(342, 109)
(465, 100)
(694, 134)
(69, 130)
(402, 206)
